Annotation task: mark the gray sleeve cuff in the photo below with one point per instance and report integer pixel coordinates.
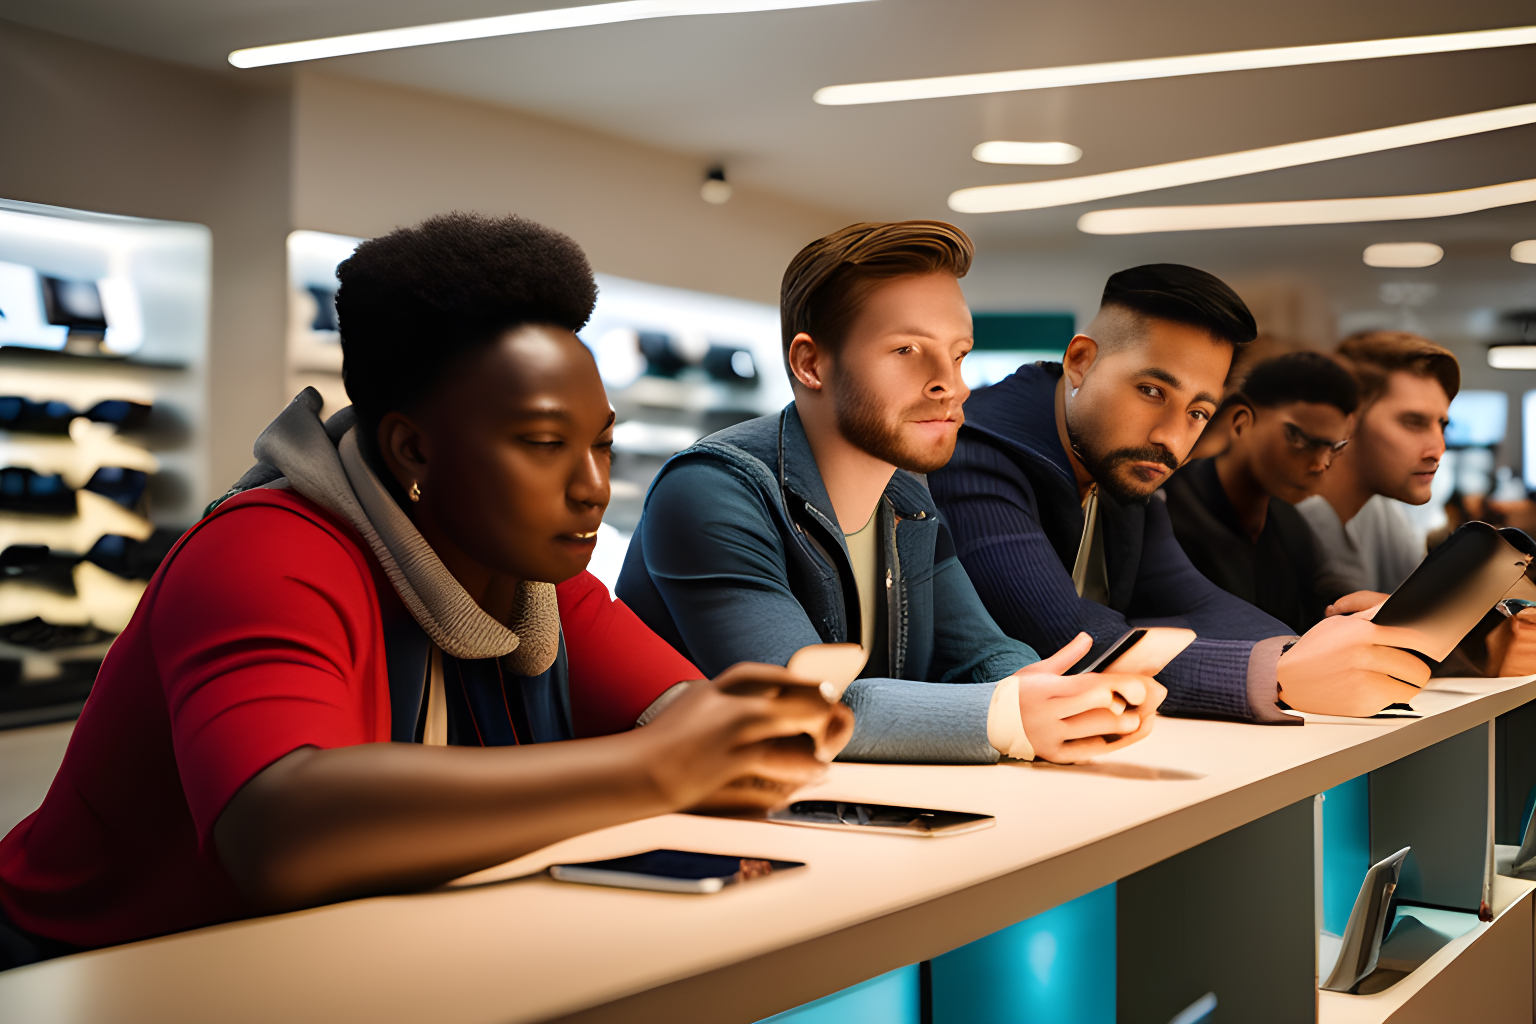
(1263, 686)
(901, 722)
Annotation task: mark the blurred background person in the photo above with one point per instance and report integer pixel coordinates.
(1233, 513)
(1406, 385)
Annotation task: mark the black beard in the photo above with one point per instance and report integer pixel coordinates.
(1102, 465)
(858, 417)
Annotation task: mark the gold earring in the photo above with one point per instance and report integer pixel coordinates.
(415, 492)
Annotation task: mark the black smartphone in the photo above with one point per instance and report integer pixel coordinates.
(671, 871)
(912, 821)
(1114, 651)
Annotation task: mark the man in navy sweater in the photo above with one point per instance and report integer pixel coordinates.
(808, 526)
(1048, 497)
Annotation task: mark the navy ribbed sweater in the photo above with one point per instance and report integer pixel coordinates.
(1011, 501)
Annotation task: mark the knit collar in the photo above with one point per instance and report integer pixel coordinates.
(324, 463)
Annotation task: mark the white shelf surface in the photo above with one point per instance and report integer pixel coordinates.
(535, 949)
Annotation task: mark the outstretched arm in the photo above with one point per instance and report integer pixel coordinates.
(324, 825)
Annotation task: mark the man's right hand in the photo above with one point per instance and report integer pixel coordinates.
(1072, 718)
(745, 740)
(1347, 665)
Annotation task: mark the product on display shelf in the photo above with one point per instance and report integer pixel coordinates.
(101, 599)
(26, 320)
(24, 415)
(27, 491)
(79, 392)
(36, 566)
(97, 516)
(89, 447)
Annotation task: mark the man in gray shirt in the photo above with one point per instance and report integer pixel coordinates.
(1406, 386)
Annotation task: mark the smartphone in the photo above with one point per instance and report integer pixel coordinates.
(1143, 652)
(671, 871)
(1512, 606)
(832, 665)
(911, 821)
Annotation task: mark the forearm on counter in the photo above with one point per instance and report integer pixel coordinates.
(318, 826)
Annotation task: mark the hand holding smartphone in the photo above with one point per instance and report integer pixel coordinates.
(834, 666)
(1145, 651)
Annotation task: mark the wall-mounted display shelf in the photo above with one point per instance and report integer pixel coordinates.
(103, 342)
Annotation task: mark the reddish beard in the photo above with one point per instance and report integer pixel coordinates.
(866, 426)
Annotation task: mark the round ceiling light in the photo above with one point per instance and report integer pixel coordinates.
(716, 189)
(1524, 252)
(1403, 254)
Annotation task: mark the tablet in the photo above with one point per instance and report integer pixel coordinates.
(1457, 584)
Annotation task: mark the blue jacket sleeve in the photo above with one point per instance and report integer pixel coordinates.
(720, 568)
(1021, 580)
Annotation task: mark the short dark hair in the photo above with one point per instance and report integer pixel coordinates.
(414, 300)
(828, 280)
(1301, 377)
(1182, 295)
(1376, 355)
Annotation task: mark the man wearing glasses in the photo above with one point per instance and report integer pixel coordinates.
(1233, 514)
(1049, 497)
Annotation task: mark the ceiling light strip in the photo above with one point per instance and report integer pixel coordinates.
(506, 25)
(1147, 219)
(1167, 67)
(1036, 195)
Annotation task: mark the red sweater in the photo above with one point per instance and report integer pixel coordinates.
(261, 633)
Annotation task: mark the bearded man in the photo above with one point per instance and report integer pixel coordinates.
(807, 526)
(1048, 497)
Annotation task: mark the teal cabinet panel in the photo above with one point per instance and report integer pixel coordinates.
(1054, 968)
(893, 998)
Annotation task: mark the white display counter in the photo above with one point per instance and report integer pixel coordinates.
(533, 949)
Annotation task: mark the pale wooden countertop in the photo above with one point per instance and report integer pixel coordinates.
(536, 949)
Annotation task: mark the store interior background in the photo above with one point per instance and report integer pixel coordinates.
(130, 108)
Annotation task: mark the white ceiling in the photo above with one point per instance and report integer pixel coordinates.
(738, 89)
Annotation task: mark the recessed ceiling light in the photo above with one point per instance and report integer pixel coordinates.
(1035, 195)
(506, 25)
(1166, 67)
(1512, 357)
(1403, 254)
(1523, 252)
(715, 190)
(1140, 220)
(1027, 153)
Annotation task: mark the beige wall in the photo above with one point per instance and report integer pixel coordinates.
(370, 157)
(255, 155)
(95, 129)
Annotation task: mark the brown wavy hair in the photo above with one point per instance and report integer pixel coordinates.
(828, 281)
(1373, 356)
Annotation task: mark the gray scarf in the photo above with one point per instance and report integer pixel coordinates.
(323, 463)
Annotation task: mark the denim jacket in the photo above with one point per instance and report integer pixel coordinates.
(739, 557)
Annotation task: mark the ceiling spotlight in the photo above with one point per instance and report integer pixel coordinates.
(1027, 153)
(1524, 252)
(1403, 254)
(716, 189)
